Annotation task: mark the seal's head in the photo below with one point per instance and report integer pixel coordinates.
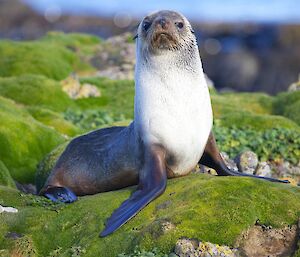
(165, 30)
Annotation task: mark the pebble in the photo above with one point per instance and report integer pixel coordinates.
(8, 209)
(247, 162)
(264, 170)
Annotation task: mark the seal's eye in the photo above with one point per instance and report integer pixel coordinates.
(179, 24)
(146, 25)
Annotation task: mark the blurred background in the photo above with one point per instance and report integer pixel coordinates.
(245, 45)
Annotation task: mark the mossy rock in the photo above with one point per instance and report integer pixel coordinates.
(260, 122)
(35, 90)
(5, 177)
(209, 208)
(42, 58)
(71, 40)
(23, 140)
(46, 165)
(288, 105)
(54, 120)
(257, 103)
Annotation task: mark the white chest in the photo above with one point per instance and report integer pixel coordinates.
(173, 109)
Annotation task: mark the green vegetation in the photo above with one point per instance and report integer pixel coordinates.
(269, 144)
(50, 60)
(71, 40)
(256, 103)
(23, 140)
(259, 122)
(214, 209)
(54, 120)
(37, 117)
(288, 105)
(119, 95)
(5, 178)
(35, 90)
(92, 119)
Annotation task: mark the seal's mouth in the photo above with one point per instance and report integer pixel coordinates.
(163, 40)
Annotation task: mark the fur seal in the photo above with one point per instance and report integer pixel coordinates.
(170, 134)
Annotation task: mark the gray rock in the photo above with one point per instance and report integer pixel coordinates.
(247, 162)
(263, 169)
(230, 163)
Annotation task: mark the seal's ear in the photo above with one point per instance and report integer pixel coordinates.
(136, 31)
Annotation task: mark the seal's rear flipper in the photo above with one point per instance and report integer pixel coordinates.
(212, 158)
(153, 181)
(59, 194)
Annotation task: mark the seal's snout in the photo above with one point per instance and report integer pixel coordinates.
(162, 23)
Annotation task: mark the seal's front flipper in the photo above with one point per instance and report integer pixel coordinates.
(59, 194)
(212, 158)
(153, 181)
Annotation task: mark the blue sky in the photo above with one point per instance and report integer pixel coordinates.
(202, 10)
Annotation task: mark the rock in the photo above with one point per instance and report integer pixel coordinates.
(247, 162)
(205, 169)
(115, 58)
(193, 248)
(263, 169)
(71, 85)
(230, 163)
(8, 209)
(26, 188)
(286, 169)
(88, 90)
(261, 241)
(294, 86)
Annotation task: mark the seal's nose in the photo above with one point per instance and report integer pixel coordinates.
(162, 22)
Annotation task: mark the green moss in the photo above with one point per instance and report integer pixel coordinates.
(24, 141)
(288, 105)
(54, 120)
(5, 178)
(259, 122)
(42, 58)
(35, 90)
(256, 103)
(214, 209)
(118, 95)
(46, 165)
(84, 46)
(74, 40)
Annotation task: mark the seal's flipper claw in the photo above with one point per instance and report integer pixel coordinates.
(212, 158)
(60, 194)
(153, 181)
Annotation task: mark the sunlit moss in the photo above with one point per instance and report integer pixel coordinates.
(23, 140)
(51, 60)
(214, 209)
(35, 90)
(5, 178)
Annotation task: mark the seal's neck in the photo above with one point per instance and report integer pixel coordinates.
(187, 59)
